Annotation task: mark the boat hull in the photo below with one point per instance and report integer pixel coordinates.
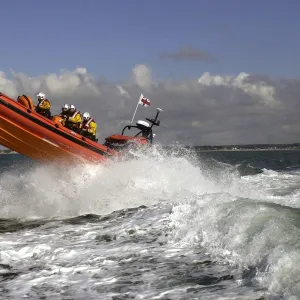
(35, 136)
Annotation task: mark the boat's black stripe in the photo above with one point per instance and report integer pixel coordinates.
(53, 129)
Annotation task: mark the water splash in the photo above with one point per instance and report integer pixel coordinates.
(47, 191)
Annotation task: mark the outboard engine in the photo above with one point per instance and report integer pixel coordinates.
(144, 127)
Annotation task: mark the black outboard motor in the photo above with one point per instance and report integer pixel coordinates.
(154, 122)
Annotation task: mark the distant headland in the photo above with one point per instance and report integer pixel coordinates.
(7, 151)
(250, 147)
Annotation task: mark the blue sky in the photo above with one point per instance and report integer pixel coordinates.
(110, 37)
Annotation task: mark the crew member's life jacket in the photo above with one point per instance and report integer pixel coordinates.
(43, 111)
(75, 114)
(71, 124)
(86, 124)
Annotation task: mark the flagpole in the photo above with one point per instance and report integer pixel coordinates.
(141, 96)
(135, 111)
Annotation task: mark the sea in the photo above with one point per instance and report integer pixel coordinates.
(172, 224)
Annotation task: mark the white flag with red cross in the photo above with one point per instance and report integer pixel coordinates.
(144, 101)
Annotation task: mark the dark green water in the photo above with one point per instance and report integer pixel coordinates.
(274, 160)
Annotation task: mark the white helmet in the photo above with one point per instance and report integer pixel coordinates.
(86, 116)
(72, 107)
(65, 107)
(41, 96)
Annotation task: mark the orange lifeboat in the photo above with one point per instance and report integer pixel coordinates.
(28, 133)
(47, 140)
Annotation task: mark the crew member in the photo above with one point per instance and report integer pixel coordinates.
(44, 105)
(73, 121)
(65, 109)
(88, 127)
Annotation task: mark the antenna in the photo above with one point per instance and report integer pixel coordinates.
(155, 121)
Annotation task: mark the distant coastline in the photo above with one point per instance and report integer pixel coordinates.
(245, 150)
(250, 147)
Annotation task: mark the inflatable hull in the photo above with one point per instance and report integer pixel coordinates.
(28, 133)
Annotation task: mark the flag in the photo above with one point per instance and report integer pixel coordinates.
(144, 101)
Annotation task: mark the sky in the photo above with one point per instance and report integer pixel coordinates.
(222, 71)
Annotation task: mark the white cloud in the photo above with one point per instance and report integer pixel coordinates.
(142, 76)
(211, 109)
(264, 92)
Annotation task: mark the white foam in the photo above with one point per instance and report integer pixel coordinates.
(46, 191)
(249, 231)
